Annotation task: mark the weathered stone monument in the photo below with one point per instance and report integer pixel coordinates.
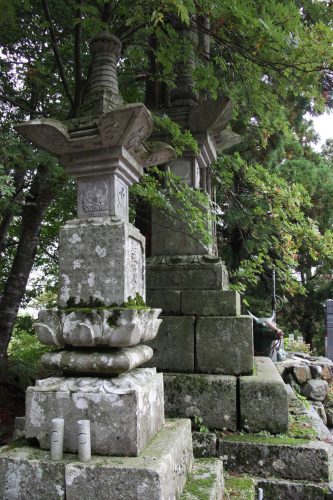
(101, 325)
(205, 344)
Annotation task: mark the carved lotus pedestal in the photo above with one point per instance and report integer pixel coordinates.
(113, 327)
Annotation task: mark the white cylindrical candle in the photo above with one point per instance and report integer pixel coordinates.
(84, 441)
(260, 494)
(57, 438)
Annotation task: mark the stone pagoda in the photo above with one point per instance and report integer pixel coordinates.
(101, 326)
(205, 344)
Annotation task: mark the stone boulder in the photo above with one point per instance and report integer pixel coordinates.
(316, 390)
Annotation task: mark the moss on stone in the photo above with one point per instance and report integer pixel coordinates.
(15, 444)
(113, 319)
(94, 304)
(240, 487)
(300, 426)
(279, 439)
(137, 303)
(199, 488)
(300, 431)
(206, 477)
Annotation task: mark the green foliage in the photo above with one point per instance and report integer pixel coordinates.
(180, 139)
(296, 346)
(25, 350)
(6, 184)
(198, 422)
(268, 215)
(303, 400)
(169, 193)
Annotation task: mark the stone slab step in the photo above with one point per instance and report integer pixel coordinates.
(239, 487)
(206, 480)
(158, 473)
(274, 489)
(296, 459)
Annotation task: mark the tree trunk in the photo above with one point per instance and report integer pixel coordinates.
(4, 227)
(42, 192)
(8, 214)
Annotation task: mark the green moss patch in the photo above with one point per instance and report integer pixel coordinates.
(279, 439)
(206, 477)
(16, 443)
(240, 487)
(136, 303)
(199, 488)
(94, 304)
(300, 426)
(301, 431)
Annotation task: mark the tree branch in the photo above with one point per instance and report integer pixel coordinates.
(57, 53)
(22, 106)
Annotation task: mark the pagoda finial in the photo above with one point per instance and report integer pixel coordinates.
(184, 93)
(103, 94)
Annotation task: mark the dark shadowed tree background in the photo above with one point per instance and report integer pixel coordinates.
(272, 58)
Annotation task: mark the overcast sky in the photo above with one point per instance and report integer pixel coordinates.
(324, 127)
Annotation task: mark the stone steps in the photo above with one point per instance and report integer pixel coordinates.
(296, 466)
(206, 480)
(304, 454)
(263, 458)
(274, 489)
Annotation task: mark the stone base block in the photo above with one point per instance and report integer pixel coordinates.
(259, 457)
(174, 345)
(224, 345)
(210, 302)
(206, 480)
(263, 399)
(100, 258)
(160, 472)
(125, 412)
(187, 272)
(211, 397)
(168, 300)
(108, 362)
